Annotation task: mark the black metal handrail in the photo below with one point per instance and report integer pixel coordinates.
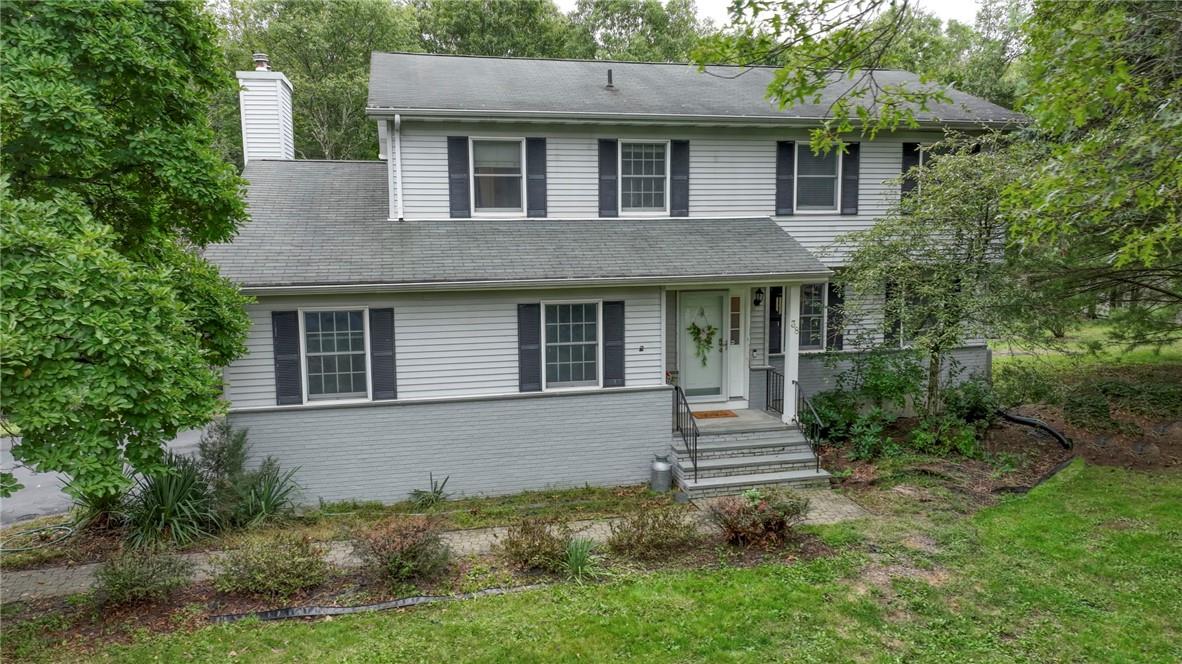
(775, 391)
(684, 423)
(810, 429)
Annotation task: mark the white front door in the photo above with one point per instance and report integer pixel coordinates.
(702, 330)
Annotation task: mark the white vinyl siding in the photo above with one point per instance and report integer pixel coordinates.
(452, 344)
(732, 173)
(265, 114)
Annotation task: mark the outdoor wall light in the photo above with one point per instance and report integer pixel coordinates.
(758, 296)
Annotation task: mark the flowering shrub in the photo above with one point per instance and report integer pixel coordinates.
(759, 516)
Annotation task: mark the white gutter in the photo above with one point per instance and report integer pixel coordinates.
(398, 287)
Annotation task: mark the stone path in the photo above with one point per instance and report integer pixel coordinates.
(824, 507)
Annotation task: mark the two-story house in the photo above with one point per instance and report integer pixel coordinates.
(550, 265)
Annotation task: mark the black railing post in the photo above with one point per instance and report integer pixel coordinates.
(683, 422)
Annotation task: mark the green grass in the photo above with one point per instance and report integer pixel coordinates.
(1087, 567)
(1087, 345)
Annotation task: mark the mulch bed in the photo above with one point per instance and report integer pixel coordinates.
(87, 627)
(1023, 456)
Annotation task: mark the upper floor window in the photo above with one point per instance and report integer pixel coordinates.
(497, 183)
(818, 179)
(335, 357)
(644, 176)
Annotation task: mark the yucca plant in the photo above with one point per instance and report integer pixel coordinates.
(425, 499)
(268, 494)
(171, 506)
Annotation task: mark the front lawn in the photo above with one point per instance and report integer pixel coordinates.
(1083, 568)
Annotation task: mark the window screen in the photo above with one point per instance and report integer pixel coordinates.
(496, 175)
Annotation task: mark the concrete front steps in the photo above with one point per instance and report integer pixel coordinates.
(734, 459)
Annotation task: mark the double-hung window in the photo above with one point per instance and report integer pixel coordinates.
(335, 357)
(497, 183)
(644, 176)
(818, 180)
(812, 316)
(571, 341)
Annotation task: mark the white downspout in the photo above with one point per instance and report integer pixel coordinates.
(398, 163)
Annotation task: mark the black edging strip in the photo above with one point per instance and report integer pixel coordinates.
(323, 611)
(1038, 424)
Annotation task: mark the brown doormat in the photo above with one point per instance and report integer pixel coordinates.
(712, 414)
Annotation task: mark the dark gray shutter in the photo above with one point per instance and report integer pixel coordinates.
(457, 176)
(381, 354)
(785, 168)
(529, 347)
(285, 340)
(535, 177)
(834, 319)
(910, 160)
(775, 320)
(613, 344)
(609, 204)
(679, 178)
(849, 178)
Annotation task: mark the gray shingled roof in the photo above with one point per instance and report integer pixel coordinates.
(325, 223)
(420, 83)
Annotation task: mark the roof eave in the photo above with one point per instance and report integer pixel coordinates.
(509, 284)
(445, 114)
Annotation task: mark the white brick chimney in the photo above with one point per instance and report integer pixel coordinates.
(264, 100)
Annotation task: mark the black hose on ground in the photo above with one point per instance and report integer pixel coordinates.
(1038, 424)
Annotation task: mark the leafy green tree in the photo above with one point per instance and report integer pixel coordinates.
(517, 28)
(113, 328)
(1105, 206)
(942, 250)
(641, 30)
(323, 47)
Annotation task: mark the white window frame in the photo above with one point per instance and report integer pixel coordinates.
(796, 181)
(598, 346)
(824, 316)
(620, 209)
(472, 178)
(304, 356)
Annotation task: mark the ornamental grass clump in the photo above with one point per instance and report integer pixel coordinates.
(652, 534)
(758, 516)
(404, 549)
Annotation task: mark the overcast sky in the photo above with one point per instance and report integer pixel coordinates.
(964, 11)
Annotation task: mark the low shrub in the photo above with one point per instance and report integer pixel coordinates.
(758, 516)
(276, 567)
(172, 506)
(403, 548)
(941, 435)
(837, 411)
(971, 400)
(579, 562)
(138, 575)
(653, 533)
(98, 510)
(867, 437)
(241, 497)
(536, 544)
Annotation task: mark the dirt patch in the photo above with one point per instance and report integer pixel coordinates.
(1136, 442)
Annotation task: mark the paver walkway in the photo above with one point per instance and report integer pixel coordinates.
(824, 507)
